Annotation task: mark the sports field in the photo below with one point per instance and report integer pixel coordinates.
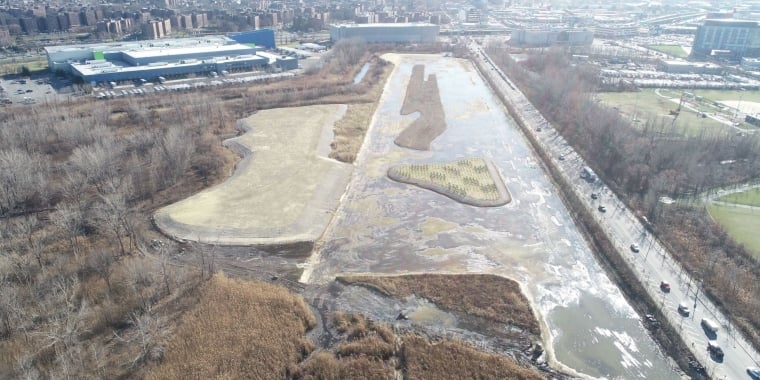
(705, 112)
(674, 50)
(741, 223)
(750, 197)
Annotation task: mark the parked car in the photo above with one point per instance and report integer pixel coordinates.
(665, 286)
(683, 309)
(594, 196)
(754, 372)
(602, 208)
(635, 247)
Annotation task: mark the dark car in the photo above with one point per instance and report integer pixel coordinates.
(602, 208)
(665, 286)
(594, 195)
(754, 372)
(715, 351)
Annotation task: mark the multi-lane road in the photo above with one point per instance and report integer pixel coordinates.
(652, 264)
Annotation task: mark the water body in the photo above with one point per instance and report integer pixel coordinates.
(392, 228)
(360, 75)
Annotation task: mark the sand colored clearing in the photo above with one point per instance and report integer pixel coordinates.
(284, 190)
(743, 105)
(422, 96)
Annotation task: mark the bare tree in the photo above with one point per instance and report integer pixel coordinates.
(69, 219)
(115, 215)
(176, 150)
(148, 333)
(22, 177)
(98, 164)
(101, 263)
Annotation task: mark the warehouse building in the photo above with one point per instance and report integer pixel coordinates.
(149, 60)
(389, 33)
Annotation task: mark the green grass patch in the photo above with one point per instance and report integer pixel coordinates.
(674, 50)
(647, 106)
(741, 224)
(750, 197)
(468, 180)
(720, 95)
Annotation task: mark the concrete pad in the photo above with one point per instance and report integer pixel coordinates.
(283, 191)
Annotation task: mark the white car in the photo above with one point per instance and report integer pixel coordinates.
(684, 309)
(635, 247)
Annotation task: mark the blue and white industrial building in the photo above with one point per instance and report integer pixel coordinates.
(150, 60)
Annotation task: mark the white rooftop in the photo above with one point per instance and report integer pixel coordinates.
(169, 51)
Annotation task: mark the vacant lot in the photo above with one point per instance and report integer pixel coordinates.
(281, 192)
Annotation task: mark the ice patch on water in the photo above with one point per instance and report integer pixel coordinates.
(627, 347)
(478, 262)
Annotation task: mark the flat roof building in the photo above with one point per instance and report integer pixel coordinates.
(121, 61)
(389, 33)
(740, 38)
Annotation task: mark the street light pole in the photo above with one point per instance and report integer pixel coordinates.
(696, 293)
(739, 105)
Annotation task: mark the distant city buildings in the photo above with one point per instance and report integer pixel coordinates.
(566, 37)
(390, 33)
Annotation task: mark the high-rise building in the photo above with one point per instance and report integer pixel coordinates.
(739, 38)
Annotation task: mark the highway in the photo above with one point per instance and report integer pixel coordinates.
(652, 264)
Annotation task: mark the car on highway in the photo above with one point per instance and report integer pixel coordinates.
(753, 372)
(710, 327)
(715, 351)
(683, 309)
(665, 286)
(635, 247)
(601, 208)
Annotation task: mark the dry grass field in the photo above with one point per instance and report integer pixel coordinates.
(488, 296)
(248, 329)
(472, 181)
(238, 329)
(456, 360)
(349, 131)
(368, 350)
(422, 96)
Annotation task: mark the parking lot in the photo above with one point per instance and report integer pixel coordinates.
(27, 90)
